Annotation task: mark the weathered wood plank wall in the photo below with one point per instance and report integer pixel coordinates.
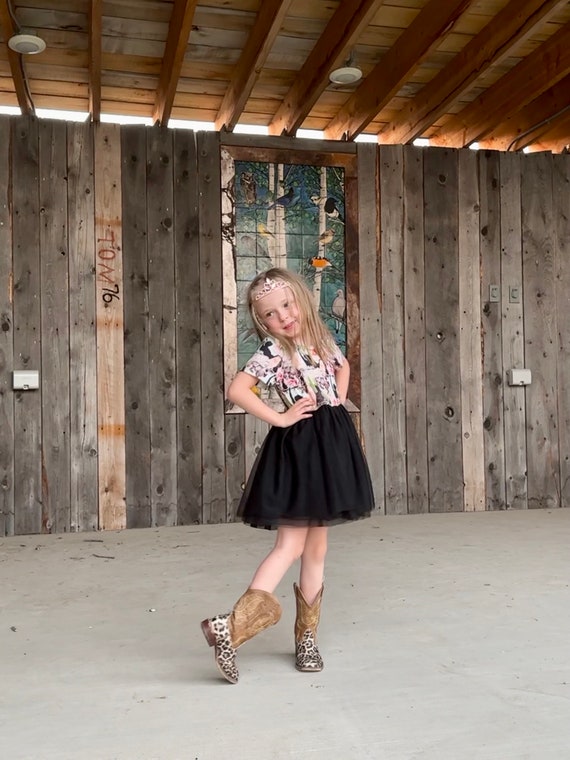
(82, 329)
(29, 516)
(371, 368)
(54, 320)
(561, 210)
(470, 358)
(110, 326)
(392, 247)
(436, 229)
(414, 332)
(188, 328)
(6, 340)
(443, 371)
(540, 330)
(492, 220)
(136, 307)
(509, 474)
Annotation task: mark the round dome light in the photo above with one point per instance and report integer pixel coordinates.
(345, 75)
(26, 44)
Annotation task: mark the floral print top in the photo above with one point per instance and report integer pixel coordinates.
(306, 375)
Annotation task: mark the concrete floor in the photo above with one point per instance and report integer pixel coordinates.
(445, 637)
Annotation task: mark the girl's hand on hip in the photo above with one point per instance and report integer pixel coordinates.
(301, 410)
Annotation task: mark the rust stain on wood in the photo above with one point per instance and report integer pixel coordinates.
(112, 430)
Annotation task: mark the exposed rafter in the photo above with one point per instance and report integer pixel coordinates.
(15, 61)
(430, 26)
(501, 77)
(335, 43)
(555, 138)
(515, 23)
(259, 43)
(526, 81)
(178, 33)
(520, 130)
(95, 19)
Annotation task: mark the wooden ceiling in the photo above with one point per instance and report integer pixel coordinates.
(496, 72)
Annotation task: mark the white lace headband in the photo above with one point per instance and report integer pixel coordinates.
(268, 287)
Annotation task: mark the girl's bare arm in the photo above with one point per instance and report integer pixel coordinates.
(240, 393)
(342, 375)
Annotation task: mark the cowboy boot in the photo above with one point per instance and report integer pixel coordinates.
(254, 611)
(307, 656)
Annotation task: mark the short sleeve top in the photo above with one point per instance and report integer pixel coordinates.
(306, 374)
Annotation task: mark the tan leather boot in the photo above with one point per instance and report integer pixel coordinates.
(254, 611)
(307, 656)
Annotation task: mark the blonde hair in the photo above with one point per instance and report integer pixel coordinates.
(314, 333)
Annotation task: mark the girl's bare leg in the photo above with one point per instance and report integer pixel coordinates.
(289, 546)
(313, 563)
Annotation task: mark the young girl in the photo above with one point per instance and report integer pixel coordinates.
(310, 472)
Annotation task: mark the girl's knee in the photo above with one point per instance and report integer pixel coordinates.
(290, 543)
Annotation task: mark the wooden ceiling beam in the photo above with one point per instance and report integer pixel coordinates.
(332, 48)
(178, 33)
(514, 24)
(95, 31)
(555, 138)
(520, 130)
(427, 30)
(259, 43)
(536, 73)
(15, 61)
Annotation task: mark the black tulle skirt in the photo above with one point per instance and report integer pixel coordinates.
(313, 473)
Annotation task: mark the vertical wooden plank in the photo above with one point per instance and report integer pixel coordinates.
(56, 466)
(255, 431)
(392, 255)
(470, 335)
(352, 272)
(110, 347)
(442, 331)
(162, 336)
(561, 196)
(370, 287)
(82, 345)
(136, 311)
(493, 376)
(540, 330)
(235, 462)
(414, 331)
(6, 340)
(26, 239)
(211, 307)
(514, 414)
(229, 273)
(188, 328)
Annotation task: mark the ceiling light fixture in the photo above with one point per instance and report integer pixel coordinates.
(26, 44)
(345, 75)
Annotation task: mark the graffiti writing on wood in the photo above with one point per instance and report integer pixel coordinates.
(107, 252)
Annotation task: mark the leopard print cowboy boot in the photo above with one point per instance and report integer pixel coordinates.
(307, 656)
(254, 611)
